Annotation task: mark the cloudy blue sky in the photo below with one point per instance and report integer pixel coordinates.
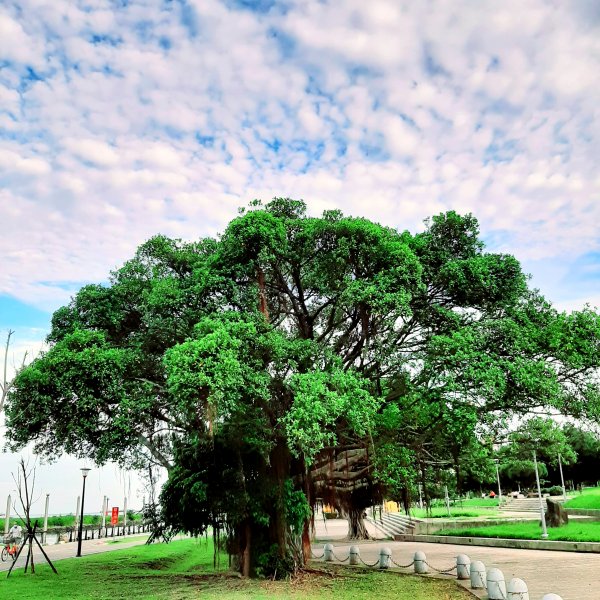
(120, 119)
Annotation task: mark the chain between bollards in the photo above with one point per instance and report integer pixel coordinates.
(367, 564)
(340, 559)
(410, 564)
(442, 571)
(315, 556)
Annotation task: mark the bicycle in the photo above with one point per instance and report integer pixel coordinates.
(8, 549)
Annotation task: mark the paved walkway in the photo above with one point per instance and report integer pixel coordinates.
(571, 575)
(69, 550)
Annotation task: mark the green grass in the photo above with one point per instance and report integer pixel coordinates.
(129, 539)
(184, 570)
(575, 531)
(589, 499)
(482, 502)
(455, 512)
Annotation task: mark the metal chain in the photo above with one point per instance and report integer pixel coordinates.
(442, 571)
(315, 556)
(402, 566)
(367, 564)
(340, 559)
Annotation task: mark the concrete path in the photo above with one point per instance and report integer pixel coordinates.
(61, 551)
(571, 575)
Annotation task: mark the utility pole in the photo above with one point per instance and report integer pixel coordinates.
(542, 513)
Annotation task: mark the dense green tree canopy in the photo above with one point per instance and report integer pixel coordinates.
(298, 357)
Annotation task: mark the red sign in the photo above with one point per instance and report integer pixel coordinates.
(114, 517)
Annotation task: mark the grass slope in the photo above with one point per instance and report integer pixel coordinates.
(589, 499)
(184, 569)
(575, 531)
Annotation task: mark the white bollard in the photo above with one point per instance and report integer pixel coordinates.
(385, 556)
(354, 555)
(496, 586)
(478, 575)
(420, 561)
(517, 590)
(463, 564)
(328, 553)
(551, 597)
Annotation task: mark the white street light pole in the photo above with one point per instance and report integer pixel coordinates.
(542, 514)
(562, 479)
(498, 478)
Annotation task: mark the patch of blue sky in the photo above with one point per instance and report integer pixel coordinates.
(500, 150)
(164, 42)
(189, 19)
(99, 39)
(28, 78)
(374, 149)
(584, 269)
(494, 64)
(499, 106)
(285, 43)
(207, 141)
(258, 6)
(497, 239)
(174, 133)
(15, 314)
(144, 30)
(431, 65)
(559, 135)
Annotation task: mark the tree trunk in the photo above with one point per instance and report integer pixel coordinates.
(357, 529)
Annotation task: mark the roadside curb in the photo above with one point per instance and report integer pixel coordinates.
(590, 547)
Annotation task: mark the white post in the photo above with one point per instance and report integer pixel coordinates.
(562, 479)
(420, 497)
(77, 515)
(542, 514)
(45, 533)
(498, 478)
(103, 515)
(7, 517)
(124, 514)
(447, 500)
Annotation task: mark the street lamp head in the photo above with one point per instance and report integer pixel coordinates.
(85, 471)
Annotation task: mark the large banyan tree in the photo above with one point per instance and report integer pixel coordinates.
(296, 359)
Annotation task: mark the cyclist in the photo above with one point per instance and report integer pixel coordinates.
(15, 535)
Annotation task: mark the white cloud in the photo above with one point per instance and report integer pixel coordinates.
(130, 125)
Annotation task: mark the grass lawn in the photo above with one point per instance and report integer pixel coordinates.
(575, 531)
(438, 512)
(589, 499)
(481, 502)
(127, 540)
(184, 569)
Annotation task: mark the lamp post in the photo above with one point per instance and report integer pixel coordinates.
(84, 472)
(542, 514)
(562, 479)
(496, 460)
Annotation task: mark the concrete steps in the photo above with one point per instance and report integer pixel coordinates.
(392, 524)
(530, 505)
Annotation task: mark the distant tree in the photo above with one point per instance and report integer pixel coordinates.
(586, 444)
(547, 439)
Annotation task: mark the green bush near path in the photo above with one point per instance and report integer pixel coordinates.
(590, 499)
(184, 570)
(575, 531)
